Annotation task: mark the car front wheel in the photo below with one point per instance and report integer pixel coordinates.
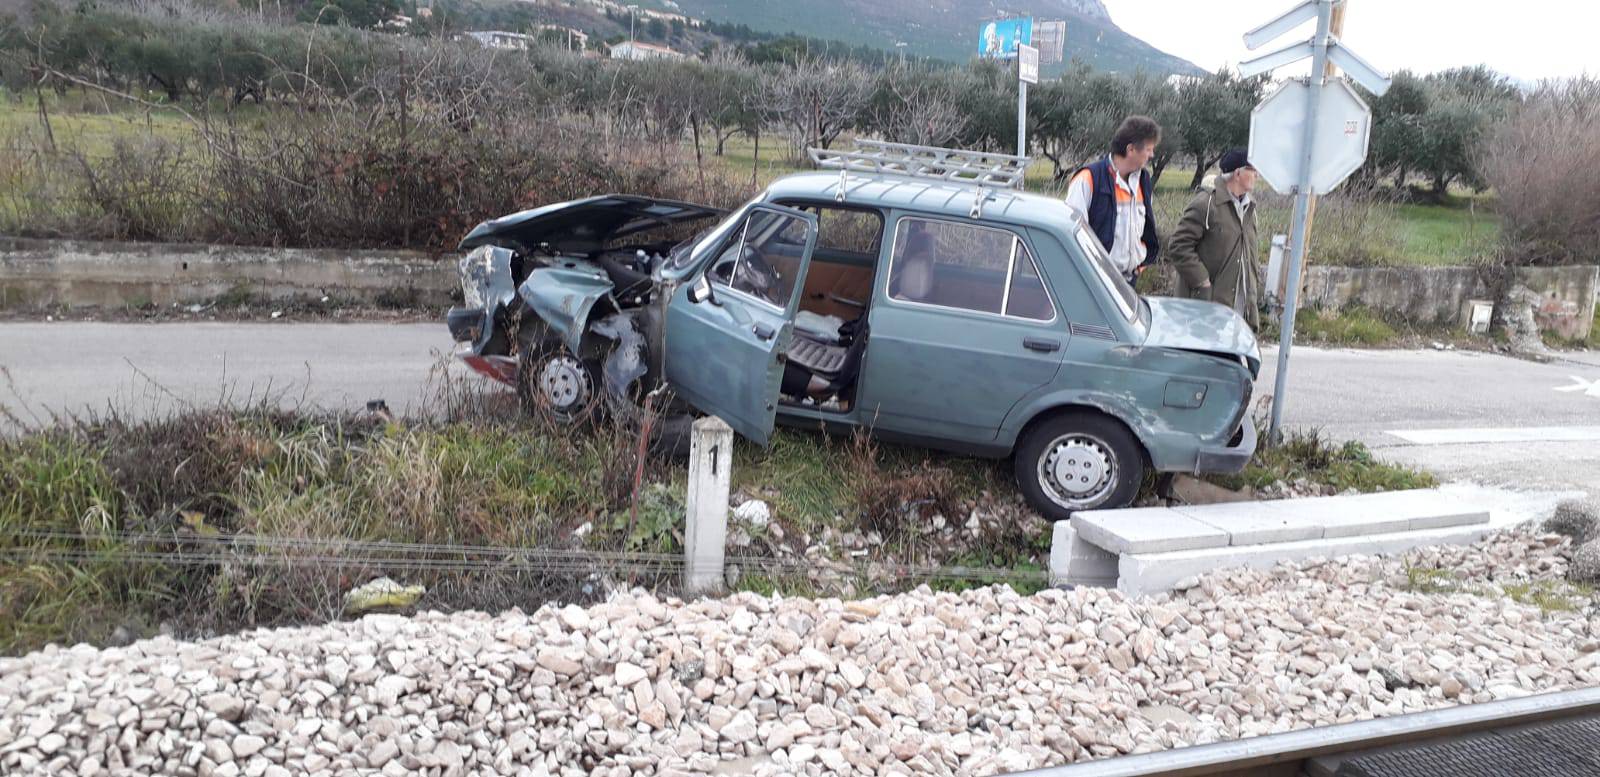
(1078, 461)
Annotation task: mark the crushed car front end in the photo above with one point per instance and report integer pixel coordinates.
(545, 279)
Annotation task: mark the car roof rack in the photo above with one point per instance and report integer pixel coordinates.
(946, 164)
(980, 168)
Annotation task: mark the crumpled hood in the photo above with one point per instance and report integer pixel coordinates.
(1193, 325)
(586, 225)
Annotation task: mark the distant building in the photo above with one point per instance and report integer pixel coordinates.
(636, 50)
(1176, 80)
(576, 39)
(496, 39)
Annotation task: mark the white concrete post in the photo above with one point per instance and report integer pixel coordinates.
(1075, 562)
(710, 475)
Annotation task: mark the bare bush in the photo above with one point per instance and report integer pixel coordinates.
(909, 106)
(816, 99)
(1541, 162)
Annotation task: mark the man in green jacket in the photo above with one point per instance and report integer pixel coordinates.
(1214, 246)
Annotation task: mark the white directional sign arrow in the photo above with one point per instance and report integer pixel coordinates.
(1590, 388)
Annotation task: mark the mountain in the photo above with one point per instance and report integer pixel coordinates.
(942, 29)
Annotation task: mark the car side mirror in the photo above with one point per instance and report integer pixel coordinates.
(701, 292)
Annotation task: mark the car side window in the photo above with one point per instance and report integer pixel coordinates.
(1026, 297)
(967, 267)
(763, 259)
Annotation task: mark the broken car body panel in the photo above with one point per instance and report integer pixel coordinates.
(564, 296)
(1192, 325)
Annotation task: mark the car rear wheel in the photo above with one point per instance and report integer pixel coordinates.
(1078, 461)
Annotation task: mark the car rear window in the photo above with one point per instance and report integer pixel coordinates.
(967, 267)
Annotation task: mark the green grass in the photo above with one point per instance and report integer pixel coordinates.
(505, 483)
(87, 123)
(1461, 232)
(1354, 326)
(1548, 595)
(1311, 456)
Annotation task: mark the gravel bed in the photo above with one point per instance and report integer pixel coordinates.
(975, 683)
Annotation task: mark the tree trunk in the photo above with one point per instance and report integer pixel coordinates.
(699, 161)
(1160, 165)
(1201, 165)
(755, 159)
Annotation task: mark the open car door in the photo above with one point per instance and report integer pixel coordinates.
(728, 331)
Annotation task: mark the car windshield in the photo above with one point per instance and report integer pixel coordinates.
(1122, 292)
(683, 254)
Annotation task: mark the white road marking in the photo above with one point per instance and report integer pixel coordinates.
(1589, 388)
(1525, 434)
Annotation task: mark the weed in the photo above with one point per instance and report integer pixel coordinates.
(1310, 456)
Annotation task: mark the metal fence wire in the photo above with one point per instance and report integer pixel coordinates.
(477, 576)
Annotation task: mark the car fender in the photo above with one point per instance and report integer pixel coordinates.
(1121, 408)
(565, 296)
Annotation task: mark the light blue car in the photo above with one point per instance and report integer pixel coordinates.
(913, 305)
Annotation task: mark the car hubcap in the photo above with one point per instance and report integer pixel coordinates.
(1077, 471)
(564, 383)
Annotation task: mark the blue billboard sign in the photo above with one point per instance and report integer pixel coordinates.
(999, 39)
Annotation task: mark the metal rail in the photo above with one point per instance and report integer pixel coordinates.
(945, 164)
(1277, 753)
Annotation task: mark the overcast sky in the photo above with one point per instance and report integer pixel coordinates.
(1526, 39)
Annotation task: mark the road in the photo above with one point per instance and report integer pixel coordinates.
(1466, 416)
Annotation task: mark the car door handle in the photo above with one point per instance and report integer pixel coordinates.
(1041, 344)
(764, 332)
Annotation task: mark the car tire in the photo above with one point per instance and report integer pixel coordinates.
(1078, 461)
(555, 384)
(670, 436)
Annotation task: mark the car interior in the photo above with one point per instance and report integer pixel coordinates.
(830, 329)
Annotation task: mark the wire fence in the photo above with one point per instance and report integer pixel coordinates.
(303, 579)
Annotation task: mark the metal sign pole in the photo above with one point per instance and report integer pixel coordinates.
(1022, 115)
(1302, 212)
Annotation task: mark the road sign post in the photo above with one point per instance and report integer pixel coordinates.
(1295, 149)
(1027, 73)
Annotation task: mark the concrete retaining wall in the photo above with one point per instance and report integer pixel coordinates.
(1442, 295)
(38, 273)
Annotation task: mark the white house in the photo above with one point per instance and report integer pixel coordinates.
(636, 50)
(496, 39)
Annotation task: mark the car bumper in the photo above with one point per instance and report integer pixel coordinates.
(1228, 458)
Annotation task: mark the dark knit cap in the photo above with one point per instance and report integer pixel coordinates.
(1233, 159)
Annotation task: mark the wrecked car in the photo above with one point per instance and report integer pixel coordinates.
(916, 294)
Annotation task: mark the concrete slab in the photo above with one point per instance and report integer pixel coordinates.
(1149, 573)
(1146, 530)
(1254, 523)
(1074, 561)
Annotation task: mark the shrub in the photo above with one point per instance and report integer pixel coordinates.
(1541, 163)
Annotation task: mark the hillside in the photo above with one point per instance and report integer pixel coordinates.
(944, 29)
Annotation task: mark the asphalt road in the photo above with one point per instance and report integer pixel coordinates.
(1488, 419)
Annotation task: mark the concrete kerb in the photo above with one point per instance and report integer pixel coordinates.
(1154, 548)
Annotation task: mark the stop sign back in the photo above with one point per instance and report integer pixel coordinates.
(1278, 135)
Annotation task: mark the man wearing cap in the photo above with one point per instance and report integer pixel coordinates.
(1214, 246)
